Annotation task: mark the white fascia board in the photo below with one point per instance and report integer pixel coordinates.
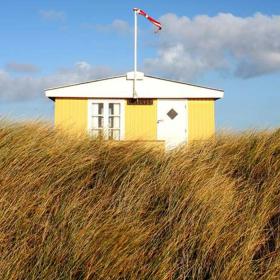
(158, 88)
(120, 87)
(111, 88)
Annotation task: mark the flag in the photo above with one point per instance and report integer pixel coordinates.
(153, 21)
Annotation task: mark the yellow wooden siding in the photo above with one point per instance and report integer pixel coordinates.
(71, 114)
(201, 119)
(141, 122)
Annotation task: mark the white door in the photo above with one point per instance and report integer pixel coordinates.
(172, 122)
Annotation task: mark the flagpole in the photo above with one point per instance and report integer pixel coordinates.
(135, 53)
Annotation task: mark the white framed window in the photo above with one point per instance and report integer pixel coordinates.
(97, 119)
(114, 119)
(106, 118)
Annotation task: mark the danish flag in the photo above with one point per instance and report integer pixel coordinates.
(152, 20)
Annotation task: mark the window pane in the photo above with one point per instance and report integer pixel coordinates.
(100, 109)
(114, 134)
(94, 109)
(97, 109)
(96, 133)
(97, 122)
(114, 122)
(111, 108)
(114, 109)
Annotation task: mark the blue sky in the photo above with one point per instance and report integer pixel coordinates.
(234, 45)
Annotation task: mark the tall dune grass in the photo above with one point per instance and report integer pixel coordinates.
(82, 209)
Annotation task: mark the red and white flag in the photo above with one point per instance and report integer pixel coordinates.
(152, 20)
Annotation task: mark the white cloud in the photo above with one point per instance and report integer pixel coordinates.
(187, 48)
(245, 47)
(21, 67)
(27, 87)
(118, 25)
(52, 15)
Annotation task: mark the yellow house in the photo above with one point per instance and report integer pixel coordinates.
(163, 110)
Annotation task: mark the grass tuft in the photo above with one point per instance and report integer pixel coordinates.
(78, 208)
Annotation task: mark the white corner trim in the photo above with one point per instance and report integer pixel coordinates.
(187, 120)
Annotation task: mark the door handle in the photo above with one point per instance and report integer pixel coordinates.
(159, 121)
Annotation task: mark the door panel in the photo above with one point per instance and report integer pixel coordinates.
(172, 122)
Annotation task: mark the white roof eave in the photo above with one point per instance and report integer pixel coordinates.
(122, 87)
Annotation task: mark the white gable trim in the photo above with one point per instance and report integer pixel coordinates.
(121, 87)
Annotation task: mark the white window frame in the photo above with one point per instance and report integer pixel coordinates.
(106, 115)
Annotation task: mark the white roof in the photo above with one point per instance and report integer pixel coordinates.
(122, 87)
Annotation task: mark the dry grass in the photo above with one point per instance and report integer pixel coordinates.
(83, 209)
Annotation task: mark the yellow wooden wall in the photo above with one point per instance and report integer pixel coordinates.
(201, 119)
(71, 114)
(141, 122)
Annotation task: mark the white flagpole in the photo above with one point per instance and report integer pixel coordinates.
(135, 54)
